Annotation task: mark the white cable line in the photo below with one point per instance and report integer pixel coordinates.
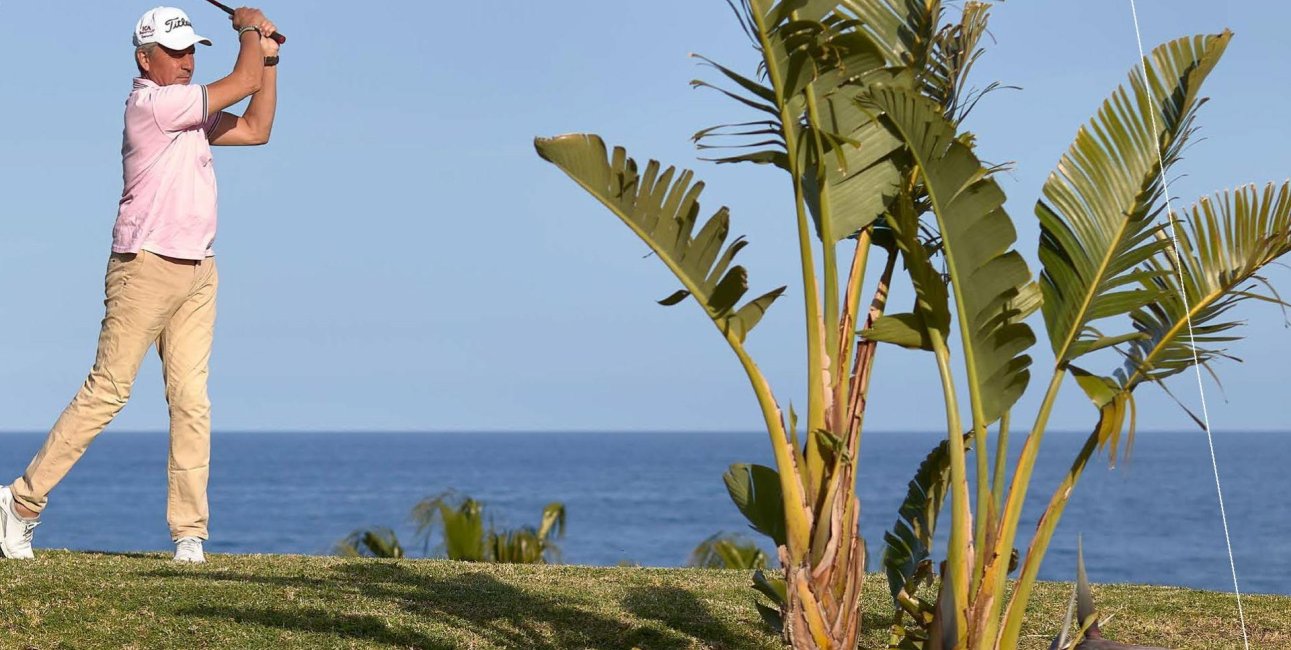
(1192, 341)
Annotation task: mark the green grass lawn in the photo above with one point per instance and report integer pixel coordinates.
(91, 600)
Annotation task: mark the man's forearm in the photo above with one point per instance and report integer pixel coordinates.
(250, 62)
(264, 103)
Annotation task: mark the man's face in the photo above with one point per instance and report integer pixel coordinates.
(166, 67)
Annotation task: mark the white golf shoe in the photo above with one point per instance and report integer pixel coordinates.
(189, 550)
(15, 531)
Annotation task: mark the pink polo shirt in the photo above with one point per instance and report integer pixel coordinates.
(168, 204)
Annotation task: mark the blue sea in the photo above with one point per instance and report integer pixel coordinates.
(649, 498)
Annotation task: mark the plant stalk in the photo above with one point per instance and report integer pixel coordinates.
(1001, 463)
(959, 554)
(811, 297)
(1040, 544)
(797, 514)
(998, 556)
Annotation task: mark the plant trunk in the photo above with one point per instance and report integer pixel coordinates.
(823, 609)
(823, 605)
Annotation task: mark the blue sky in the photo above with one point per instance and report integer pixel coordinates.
(399, 258)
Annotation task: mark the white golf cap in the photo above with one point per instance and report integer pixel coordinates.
(168, 26)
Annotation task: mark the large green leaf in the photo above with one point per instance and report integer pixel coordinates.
(1098, 217)
(988, 278)
(905, 330)
(662, 209)
(1223, 245)
(857, 164)
(903, 28)
(938, 54)
(828, 51)
(755, 489)
(823, 53)
(849, 175)
(932, 303)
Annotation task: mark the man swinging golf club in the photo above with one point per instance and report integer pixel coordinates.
(161, 278)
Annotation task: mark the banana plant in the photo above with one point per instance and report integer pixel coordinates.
(847, 169)
(1121, 273)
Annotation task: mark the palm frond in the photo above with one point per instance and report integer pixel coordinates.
(462, 523)
(955, 51)
(553, 519)
(1223, 245)
(662, 208)
(727, 551)
(742, 12)
(760, 141)
(908, 546)
(1099, 213)
(370, 542)
(520, 546)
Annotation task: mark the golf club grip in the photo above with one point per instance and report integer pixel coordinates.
(277, 37)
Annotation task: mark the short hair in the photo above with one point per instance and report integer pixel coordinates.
(147, 49)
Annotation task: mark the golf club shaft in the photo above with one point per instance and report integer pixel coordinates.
(229, 10)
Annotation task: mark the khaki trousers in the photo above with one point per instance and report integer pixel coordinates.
(149, 299)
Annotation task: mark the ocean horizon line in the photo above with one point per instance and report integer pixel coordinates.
(587, 431)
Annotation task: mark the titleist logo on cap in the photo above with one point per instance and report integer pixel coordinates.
(175, 23)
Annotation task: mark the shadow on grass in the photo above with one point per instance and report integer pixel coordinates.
(131, 555)
(366, 628)
(502, 614)
(683, 611)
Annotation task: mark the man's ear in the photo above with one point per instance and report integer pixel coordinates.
(141, 57)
